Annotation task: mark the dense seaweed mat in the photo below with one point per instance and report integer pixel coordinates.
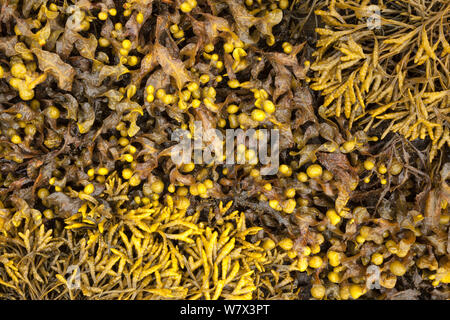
(92, 205)
(394, 67)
